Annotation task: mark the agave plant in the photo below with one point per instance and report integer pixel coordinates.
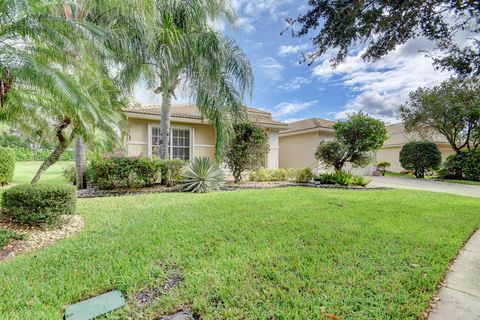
(202, 175)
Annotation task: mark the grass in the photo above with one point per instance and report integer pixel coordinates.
(288, 253)
(26, 170)
(397, 174)
(6, 236)
(472, 183)
(411, 176)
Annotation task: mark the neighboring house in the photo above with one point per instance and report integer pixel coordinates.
(299, 142)
(190, 136)
(398, 138)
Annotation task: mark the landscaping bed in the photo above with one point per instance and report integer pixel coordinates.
(36, 237)
(93, 192)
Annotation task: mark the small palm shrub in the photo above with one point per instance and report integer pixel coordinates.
(7, 165)
(343, 177)
(202, 175)
(38, 204)
(360, 181)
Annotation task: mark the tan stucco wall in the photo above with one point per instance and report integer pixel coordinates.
(392, 154)
(298, 151)
(203, 141)
(137, 141)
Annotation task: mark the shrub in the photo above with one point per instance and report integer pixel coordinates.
(343, 177)
(383, 165)
(246, 150)
(124, 172)
(27, 154)
(70, 174)
(326, 178)
(202, 175)
(263, 174)
(355, 138)
(463, 166)
(7, 235)
(38, 204)
(360, 181)
(172, 171)
(7, 165)
(420, 156)
(304, 175)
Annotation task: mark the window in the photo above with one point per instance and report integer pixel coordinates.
(155, 142)
(179, 143)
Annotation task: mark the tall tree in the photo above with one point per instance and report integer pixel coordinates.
(355, 138)
(186, 50)
(451, 109)
(341, 26)
(30, 53)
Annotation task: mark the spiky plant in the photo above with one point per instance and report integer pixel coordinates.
(202, 175)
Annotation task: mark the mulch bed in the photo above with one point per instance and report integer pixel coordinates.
(93, 192)
(37, 237)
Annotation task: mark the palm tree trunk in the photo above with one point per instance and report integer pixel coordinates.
(81, 164)
(165, 124)
(63, 144)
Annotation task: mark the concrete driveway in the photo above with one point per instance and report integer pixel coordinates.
(426, 185)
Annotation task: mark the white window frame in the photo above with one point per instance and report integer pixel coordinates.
(191, 146)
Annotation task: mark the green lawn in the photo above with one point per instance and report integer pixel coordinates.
(397, 174)
(473, 183)
(257, 254)
(26, 170)
(411, 176)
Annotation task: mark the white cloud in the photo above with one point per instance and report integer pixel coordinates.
(145, 96)
(284, 50)
(382, 86)
(295, 84)
(271, 68)
(290, 108)
(246, 24)
(250, 10)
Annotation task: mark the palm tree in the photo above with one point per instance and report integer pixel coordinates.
(186, 50)
(53, 66)
(30, 53)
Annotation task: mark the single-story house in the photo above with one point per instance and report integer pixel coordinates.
(300, 140)
(190, 135)
(398, 137)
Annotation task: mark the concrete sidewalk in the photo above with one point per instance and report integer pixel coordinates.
(426, 185)
(460, 296)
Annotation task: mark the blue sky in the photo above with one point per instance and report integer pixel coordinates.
(293, 91)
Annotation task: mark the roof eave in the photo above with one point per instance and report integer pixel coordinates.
(302, 131)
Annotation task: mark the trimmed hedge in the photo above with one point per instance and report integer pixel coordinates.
(420, 156)
(119, 172)
(38, 204)
(297, 175)
(462, 166)
(26, 154)
(7, 165)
